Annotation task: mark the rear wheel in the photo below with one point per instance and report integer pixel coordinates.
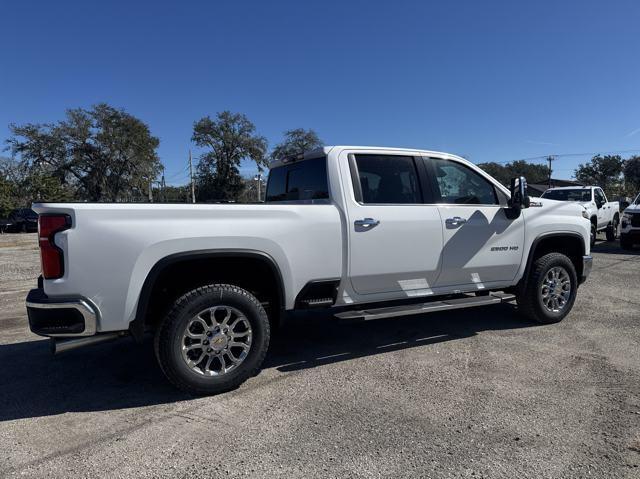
(213, 339)
(550, 290)
(612, 230)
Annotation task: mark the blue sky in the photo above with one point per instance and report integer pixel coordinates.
(491, 80)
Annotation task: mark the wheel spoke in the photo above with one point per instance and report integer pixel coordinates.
(238, 320)
(244, 346)
(207, 366)
(223, 368)
(226, 318)
(199, 320)
(191, 335)
(194, 362)
(241, 334)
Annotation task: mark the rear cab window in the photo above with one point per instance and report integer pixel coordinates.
(299, 182)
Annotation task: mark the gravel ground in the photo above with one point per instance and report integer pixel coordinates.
(477, 393)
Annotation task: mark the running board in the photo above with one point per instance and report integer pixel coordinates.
(430, 307)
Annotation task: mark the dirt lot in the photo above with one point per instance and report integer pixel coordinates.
(480, 393)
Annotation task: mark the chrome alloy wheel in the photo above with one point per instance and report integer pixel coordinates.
(216, 340)
(556, 289)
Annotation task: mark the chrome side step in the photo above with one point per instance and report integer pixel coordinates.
(468, 301)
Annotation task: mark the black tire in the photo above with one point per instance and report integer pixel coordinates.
(530, 301)
(169, 338)
(625, 242)
(594, 232)
(612, 229)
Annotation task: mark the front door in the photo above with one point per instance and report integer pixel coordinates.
(395, 240)
(481, 245)
(600, 201)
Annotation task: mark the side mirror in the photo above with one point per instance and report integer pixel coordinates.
(519, 199)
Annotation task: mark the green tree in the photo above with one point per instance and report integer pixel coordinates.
(534, 173)
(632, 175)
(296, 142)
(603, 171)
(20, 186)
(101, 154)
(229, 139)
(8, 192)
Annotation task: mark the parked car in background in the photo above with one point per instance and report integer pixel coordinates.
(23, 220)
(630, 225)
(604, 215)
(370, 232)
(5, 225)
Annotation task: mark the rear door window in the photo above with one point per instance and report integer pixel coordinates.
(387, 179)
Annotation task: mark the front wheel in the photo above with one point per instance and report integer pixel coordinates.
(612, 230)
(594, 232)
(551, 289)
(213, 339)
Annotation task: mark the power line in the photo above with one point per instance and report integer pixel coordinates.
(562, 155)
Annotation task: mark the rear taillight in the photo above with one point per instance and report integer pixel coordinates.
(51, 256)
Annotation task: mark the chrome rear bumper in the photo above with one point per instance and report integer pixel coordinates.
(60, 317)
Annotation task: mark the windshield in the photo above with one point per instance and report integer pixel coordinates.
(637, 201)
(577, 194)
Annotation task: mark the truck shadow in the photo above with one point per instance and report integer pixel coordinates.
(119, 375)
(613, 247)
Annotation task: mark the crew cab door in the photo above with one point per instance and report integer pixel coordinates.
(395, 240)
(481, 245)
(603, 208)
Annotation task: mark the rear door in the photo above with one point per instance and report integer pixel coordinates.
(481, 245)
(395, 240)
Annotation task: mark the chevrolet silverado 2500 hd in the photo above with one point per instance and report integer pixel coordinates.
(369, 232)
(604, 215)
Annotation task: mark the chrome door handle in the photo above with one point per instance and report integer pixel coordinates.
(455, 221)
(367, 223)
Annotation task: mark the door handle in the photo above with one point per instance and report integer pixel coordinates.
(367, 223)
(455, 221)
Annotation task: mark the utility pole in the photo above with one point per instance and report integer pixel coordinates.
(150, 190)
(163, 186)
(258, 178)
(550, 158)
(193, 191)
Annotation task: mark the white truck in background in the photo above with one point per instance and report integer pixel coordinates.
(368, 232)
(630, 225)
(604, 215)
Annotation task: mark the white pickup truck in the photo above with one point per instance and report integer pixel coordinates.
(368, 232)
(604, 215)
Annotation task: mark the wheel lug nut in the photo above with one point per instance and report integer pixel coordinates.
(209, 350)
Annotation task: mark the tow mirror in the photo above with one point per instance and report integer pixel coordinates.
(519, 198)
